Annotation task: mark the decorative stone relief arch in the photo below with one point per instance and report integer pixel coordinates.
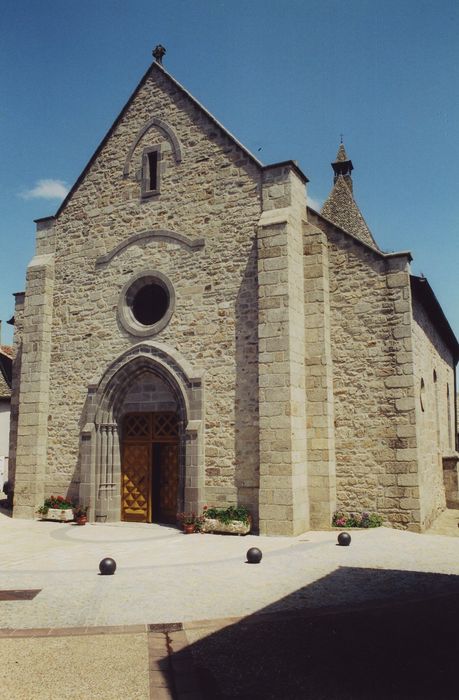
(166, 235)
(167, 131)
(100, 486)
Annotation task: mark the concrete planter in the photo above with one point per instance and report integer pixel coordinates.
(63, 516)
(234, 527)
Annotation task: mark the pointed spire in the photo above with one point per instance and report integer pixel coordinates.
(341, 155)
(340, 206)
(343, 166)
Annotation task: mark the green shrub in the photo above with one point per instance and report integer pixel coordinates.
(225, 515)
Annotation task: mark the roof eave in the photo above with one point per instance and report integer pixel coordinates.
(421, 288)
(397, 254)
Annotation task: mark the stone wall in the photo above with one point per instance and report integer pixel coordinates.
(149, 394)
(15, 384)
(434, 390)
(375, 432)
(212, 193)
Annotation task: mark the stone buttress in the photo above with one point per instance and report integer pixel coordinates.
(284, 501)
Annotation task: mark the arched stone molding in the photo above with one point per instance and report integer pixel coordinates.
(167, 131)
(100, 486)
(155, 235)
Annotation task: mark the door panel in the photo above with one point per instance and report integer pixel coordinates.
(164, 426)
(169, 482)
(137, 426)
(136, 483)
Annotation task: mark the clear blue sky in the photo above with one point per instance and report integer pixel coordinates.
(287, 77)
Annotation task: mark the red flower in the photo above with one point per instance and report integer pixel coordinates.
(60, 498)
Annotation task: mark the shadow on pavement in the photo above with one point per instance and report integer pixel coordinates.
(403, 643)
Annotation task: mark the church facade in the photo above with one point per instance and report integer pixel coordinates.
(193, 333)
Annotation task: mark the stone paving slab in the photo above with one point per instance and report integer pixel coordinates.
(96, 666)
(164, 576)
(171, 590)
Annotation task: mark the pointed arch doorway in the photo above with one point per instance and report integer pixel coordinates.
(150, 467)
(150, 379)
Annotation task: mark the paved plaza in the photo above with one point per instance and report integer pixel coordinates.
(143, 632)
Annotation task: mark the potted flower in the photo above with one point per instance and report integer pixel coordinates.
(80, 515)
(190, 522)
(234, 520)
(56, 508)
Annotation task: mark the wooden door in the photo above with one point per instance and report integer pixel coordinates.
(150, 461)
(136, 501)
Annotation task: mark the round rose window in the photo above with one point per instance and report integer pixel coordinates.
(146, 303)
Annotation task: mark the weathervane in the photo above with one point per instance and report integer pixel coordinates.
(158, 53)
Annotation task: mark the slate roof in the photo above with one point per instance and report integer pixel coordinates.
(341, 155)
(6, 364)
(341, 209)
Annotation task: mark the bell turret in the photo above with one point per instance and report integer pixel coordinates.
(342, 166)
(340, 206)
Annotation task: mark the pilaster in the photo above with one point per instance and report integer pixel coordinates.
(319, 379)
(401, 392)
(284, 506)
(31, 451)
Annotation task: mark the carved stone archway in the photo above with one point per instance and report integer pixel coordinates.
(168, 132)
(100, 486)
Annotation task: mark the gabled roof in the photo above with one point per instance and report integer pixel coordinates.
(154, 67)
(6, 367)
(421, 290)
(158, 67)
(340, 208)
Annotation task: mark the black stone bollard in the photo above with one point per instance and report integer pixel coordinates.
(344, 539)
(254, 555)
(107, 566)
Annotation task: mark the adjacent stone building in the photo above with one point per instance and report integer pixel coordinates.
(5, 401)
(193, 333)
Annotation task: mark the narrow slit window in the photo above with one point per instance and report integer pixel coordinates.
(153, 170)
(151, 158)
